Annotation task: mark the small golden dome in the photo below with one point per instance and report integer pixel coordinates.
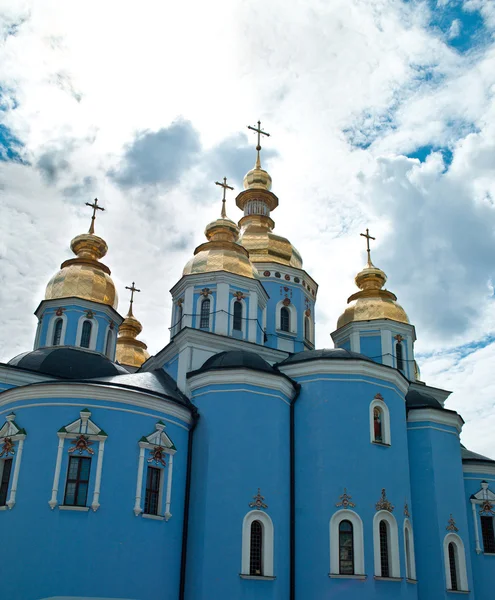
(130, 351)
(257, 179)
(372, 302)
(84, 277)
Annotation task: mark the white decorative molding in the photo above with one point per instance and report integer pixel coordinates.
(460, 562)
(358, 541)
(56, 478)
(16, 376)
(94, 331)
(485, 500)
(409, 554)
(393, 543)
(51, 326)
(10, 433)
(82, 306)
(441, 417)
(481, 469)
(267, 542)
(243, 332)
(379, 403)
(95, 505)
(242, 376)
(292, 318)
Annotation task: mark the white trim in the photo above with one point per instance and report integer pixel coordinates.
(231, 391)
(292, 317)
(386, 433)
(387, 352)
(289, 270)
(16, 376)
(95, 505)
(95, 392)
(477, 478)
(351, 367)
(435, 416)
(252, 323)
(80, 305)
(94, 331)
(76, 508)
(436, 428)
(476, 530)
(111, 351)
(267, 544)
(168, 497)
(139, 483)
(358, 542)
(393, 543)
(460, 562)
(199, 304)
(481, 469)
(56, 477)
(404, 329)
(242, 376)
(244, 317)
(15, 477)
(51, 328)
(409, 557)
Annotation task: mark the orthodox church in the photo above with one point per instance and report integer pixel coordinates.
(239, 462)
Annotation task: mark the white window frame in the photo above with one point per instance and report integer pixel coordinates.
(310, 328)
(110, 334)
(199, 304)
(393, 544)
(82, 426)
(51, 329)
(244, 320)
(358, 542)
(409, 557)
(478, 499)
(292, 319)
(150, 442)
(94, 331)
(386, 434)
(11, 430)
(461, 562)
(267, 544)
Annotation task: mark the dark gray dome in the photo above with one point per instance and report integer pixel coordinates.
(67, 362)
(415, 399)
(236, 359)
(325, 353)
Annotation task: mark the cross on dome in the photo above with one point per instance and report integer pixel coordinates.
(133, 289)
(225, 188)
(368, 238)
(95, 207)
(260, 132)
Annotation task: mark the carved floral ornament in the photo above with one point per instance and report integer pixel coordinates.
(239, 295)
(205, 292)
(345, 500)
(82, 444)
(157, 456)
(286, 301)
(384, 503)
(7, 448)
(451, 524)
(90, 314)
(258, 501)
(399, 338)
(59, 312)
(378, 397)
(406, 510)
(485, 509)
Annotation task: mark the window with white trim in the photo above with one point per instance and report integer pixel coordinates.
(379, 421)
(455, 563)
(257, 545)
(109, 344)
(86, 334)
(284, 319)
(409, 551)
(346, 544)
(386, 545)
(237, 318)
(204, 320)
(79, 443)
(399, 353)
(57, 332)
(307, 330)
(156, 453)
(11, 447)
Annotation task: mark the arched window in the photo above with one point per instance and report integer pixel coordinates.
(399, 355)
(378, 424)
(237, 325)
(409, 551)
(204, 322)
(379, 421)
(455, 563)
(346, 548)
(307, 329)
(86, 334)
(284, 319)
(454, 579)
(256, 553)
(384, 550)
(179, 317)
(109, 344)
(57, 332)
(488, 534)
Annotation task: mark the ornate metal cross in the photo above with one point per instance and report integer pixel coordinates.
(260, 132)
(133, 289)
(95, 207)
(225, 188)
(368, 238)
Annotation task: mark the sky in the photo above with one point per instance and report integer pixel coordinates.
(381, 115)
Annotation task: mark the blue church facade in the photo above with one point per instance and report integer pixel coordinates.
(239, 461)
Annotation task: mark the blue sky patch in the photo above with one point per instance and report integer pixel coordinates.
(10, 146)
(423, 152)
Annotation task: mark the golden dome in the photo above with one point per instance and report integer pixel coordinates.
(84, 277)
(130, 351)
(372, 302)
(257, 179)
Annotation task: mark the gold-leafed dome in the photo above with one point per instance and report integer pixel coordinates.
(372, 302)
(221, 252)
(84, 276)
(130, 351)
(257, 179)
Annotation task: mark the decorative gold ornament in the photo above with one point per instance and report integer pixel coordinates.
(205, 292)
(157, 455)
(8, 447)
(451, 524)
(378, 396)
(406, 510)
(286, 301)
(82, 444)
(345, 500)
(258, 501)
(59, 312)
(383, 503)
(90, 314)
(485, 509)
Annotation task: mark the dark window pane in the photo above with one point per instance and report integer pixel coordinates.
(86, 334)
(378, 424)
(76, 489)
(400, 358)
(4, 484)
(57, 332)
(285, 319)
(152, 496)
(384, 551)
(307, 335)
(453, 566)
(204, 322)
(346, 548)
(238, 315)
(488, 534)
(256, 549)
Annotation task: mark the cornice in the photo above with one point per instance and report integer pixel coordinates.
(81, 303)
(478, 468)
(294, 271)
(356, 366)
(16, 376)
(442, 417)
(437, 393)
(372, 324)
(217, 277)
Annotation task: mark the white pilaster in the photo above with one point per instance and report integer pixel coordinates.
(355, 341)
(15, 477)
(410, 358)
(222, 308)
(53, 501)
(168, 514)
(476, 532)
(96, 494)
(252, 316)
(139, 483)
(387, 348)
(188, 307)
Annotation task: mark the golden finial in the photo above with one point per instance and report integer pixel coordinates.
(225, 188)
(368, 238)
(133, 289)
(95, 207)
(260, 132)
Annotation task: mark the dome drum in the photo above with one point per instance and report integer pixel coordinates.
(265, 196)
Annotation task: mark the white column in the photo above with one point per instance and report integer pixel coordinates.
(168, 514)
(53, 501)
(355, 341)
(139, 483)
(188, 307)
(387, 351)
(222, 308)
(253, 313)
(410, 358)
(15, 477)
(99, 465)
(476, 532)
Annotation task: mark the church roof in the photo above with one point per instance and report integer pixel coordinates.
(469, 456)
(236, 359)
(325, 353)
(67, 362)
(415, 399)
